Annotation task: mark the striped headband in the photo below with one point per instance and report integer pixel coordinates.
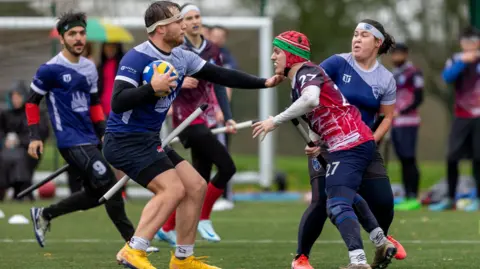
(292, 47)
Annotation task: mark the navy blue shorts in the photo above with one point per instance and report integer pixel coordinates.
(404, 141)
(346, 167)
(139, 155)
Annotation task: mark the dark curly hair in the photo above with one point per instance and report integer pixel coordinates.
(69, 17)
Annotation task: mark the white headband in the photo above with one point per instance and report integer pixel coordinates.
(188, 8)
(371, 29)
(174, 18)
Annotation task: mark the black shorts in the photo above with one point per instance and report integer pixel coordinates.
(464, 139)
(89, 164)
(405, 141)
(139, 155)
(376, 169)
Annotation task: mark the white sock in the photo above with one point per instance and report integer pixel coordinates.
(139, 243)
(357, 256)
(184, 251)
(377, 237)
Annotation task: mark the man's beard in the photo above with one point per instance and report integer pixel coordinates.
(399, 63)
(71, 49)
(173, 41)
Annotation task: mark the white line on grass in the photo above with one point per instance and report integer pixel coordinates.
(100, 241)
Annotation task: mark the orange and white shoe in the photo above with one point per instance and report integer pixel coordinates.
(301, 263)
(401, 253)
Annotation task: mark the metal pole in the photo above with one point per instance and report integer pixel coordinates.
(53, 9)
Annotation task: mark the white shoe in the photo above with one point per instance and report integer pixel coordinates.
(223, 205)
(207, 232)
(169, 237)
(40, 225)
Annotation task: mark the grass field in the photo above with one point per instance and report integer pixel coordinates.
(255, 235)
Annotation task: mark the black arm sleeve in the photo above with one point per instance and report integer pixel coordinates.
(229, 77)
(125, 97)
(222, 99)
(34, 97)
(418, 99)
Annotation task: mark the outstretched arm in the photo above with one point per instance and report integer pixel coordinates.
(309, 99)
(229, 77)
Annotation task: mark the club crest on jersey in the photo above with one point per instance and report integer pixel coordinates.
(316, 164)
(67, 78)
(376, 91)
(79, 102)
(347, 78)
(401, 80)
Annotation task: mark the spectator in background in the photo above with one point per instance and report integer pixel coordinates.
(111, 54)
(218, 36)
(206, 31)
(410, 82)
(17, 167)
(463, 71)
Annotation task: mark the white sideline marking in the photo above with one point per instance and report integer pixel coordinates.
(322, 242)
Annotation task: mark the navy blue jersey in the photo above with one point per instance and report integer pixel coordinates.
(150, 116)
(67, 87)
(365, 89)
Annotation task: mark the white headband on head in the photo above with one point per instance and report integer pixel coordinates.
(370, 28)
(188, 8)
(174, 18)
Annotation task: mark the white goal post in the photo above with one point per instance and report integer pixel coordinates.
(267, 101)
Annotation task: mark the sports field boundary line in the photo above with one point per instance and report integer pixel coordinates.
(240, 241)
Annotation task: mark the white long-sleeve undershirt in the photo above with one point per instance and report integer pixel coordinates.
(309, 99)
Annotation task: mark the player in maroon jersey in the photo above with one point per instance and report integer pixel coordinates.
(409, 81)
(206, 149)
(339, 126)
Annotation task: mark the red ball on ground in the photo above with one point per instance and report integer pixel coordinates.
(47, 191)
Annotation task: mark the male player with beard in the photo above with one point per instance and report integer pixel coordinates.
(349, 141)
(132, 143)
(206, 149)
(409, 81)
(69, 81)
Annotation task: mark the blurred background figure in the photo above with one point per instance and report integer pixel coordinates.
(88, 52)
(218, 36)
(463, 71)
(206, 31)
(17, 167)
(410, 83)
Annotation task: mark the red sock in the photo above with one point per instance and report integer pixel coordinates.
(170, 224)
(213, 193)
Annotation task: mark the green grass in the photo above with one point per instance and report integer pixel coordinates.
(296, 168)
(255, 235)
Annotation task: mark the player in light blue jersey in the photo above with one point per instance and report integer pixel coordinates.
(370, 87)
(132, 142)
(69, 83)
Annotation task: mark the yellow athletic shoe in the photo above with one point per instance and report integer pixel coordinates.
(190, 263)
(133, 258)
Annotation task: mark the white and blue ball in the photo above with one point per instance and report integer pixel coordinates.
(162, 68)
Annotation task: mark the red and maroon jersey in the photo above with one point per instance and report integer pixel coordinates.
(409, 79)
(338, 123)
(190, 99)
(467, 89)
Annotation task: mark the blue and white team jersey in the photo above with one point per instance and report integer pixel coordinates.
(67, 87)
(365, 89)
(150, 116)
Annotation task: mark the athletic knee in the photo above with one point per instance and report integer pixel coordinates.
(339, 209)
(227, 169)
(197, 187)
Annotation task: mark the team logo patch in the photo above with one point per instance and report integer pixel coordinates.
(401, 80)
(316, 164)
(67, 78)
(79, 102)
(376, 91)
(347, 78)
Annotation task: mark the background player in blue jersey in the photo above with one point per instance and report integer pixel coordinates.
(69, 81)
(132, 142)
(463, 71)
(370, 87)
